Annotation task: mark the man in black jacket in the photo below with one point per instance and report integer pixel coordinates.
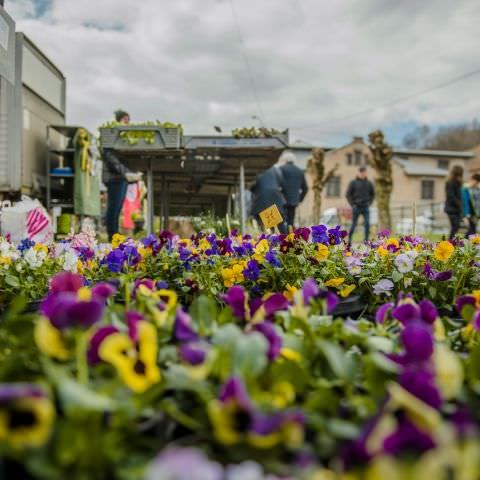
(116, 177)
(360, 195)
(295, 186)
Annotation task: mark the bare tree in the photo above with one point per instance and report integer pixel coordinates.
(316, 168)
(381, 161)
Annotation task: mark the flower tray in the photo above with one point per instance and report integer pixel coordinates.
(350, 306)
(159, 138)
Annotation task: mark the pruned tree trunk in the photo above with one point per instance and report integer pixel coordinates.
(316, 168)
(381, 161)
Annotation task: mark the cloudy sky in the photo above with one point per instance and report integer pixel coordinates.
(310, 65)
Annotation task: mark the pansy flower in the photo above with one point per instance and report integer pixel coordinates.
(26, 415)
(133, 354)
(444, 250)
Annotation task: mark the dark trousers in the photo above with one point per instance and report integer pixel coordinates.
(472, 226)
(356, 212)
(116, 192)
(455, 220)
(290, 214)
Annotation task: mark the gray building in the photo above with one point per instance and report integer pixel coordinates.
(32, 96)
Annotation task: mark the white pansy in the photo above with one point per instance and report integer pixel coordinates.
(34, 258)
(70, 259)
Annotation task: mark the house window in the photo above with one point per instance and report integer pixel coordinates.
(333, 187)
(358, 157)
(349, 159)
(443, 163)
(428, 189)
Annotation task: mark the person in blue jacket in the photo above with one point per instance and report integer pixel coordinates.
(471, 202)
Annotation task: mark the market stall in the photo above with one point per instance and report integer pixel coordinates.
(191, 173)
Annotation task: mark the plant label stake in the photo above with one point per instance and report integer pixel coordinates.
(271, 217)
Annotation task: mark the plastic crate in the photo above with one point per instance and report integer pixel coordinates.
(163, 138)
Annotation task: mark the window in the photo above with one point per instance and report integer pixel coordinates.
(358, 157)
(349, 159)
(428, 189)
(443, 163)
(333, 187)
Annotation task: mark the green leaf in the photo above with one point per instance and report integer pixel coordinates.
(203, 312)
(396, 276)
(12, 281)
(75, 396)
(381, 344)
(432, 291)
(383, 363)
(343, 429)
(250, 354)
(338, 361)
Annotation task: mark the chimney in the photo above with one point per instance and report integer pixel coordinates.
(357, 139)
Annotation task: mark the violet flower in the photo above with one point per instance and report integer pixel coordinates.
(237, 299)
(182, 328)
(193, 353)
(383, 286)
(267, 329)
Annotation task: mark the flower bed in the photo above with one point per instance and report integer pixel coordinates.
(222, 358)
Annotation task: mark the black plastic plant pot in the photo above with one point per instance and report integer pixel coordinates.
(33, 306)
(351, 306)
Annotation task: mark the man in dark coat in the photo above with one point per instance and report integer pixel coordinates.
(267, 191)
(295, 186)
(360, 195)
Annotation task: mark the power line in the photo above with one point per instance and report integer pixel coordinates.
(392, 102)
(251, 77)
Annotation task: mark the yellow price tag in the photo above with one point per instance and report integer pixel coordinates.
(271, 217)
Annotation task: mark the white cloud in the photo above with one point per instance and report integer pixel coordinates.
(313, 61)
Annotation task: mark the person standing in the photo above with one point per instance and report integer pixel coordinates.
(471, 203)
(453, 199)
(295, 185)
(268, 190)
(115, 176)
(360, 196)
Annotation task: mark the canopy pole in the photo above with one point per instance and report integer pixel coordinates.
(164, 202)
(150, 213)
(229, 201)
(243, 208)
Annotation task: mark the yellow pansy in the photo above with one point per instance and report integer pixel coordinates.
(117, 240)
(5, 261)
(261, 248)
(80, 267)
(233, 275)
(443, 251)
(346, 290)
(475, 240)
(322, 252)
(169, 297)
(40, 414)
(40, 247)
(49, 340)
(135, 362)
(204, 244)
(222, 416)
(382, 251)
(335, 282)
(289, 292)
(392, 241)
(145, 252)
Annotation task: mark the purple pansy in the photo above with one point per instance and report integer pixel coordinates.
(193, 353)
(237, 299)
(95, 342)
(182, 328)
(267, 329)
(435, 275)
(383, 312)
(66, 282)
(275, 303)
(319, 234)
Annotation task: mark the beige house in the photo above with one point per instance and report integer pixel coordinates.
(419, 176)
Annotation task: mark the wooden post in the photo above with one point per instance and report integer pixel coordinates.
(414, 219)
